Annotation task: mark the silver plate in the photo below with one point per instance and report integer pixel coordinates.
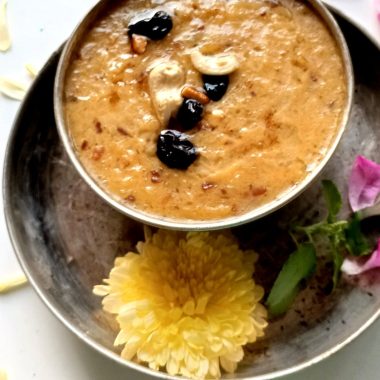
(66, 237)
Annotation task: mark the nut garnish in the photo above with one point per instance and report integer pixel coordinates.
(84, 145)
(139, 43)
(123, 131)
(218, 64)
(165, 82)
(98, 126)
(155, 176)
(218, 113)
(31, 69)
(97, 152)
(5, 39)
(114, 98)
(193, 93)
(12, 89)
(12, 283)
(3, 375)
(207, 185)
(257, 190)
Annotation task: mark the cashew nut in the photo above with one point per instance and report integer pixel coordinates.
(165, 84)
(218, 64)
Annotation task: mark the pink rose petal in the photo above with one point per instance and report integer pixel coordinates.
(355, 266)
(364, 183)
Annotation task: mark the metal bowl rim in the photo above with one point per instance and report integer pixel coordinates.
(193, 225)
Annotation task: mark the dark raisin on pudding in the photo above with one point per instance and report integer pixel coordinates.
(190, 113)
(175, 150)
(216, 86)
(155, 28)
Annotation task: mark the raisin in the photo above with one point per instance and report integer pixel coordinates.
(155, 28)
(190, 113)
(175, 150)
(215, 86)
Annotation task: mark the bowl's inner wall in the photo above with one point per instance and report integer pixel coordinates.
(67, 238)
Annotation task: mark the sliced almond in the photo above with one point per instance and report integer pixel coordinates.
(218, 64)
(165, 83)
(12, 89)
(12, 283)
(5, 38)
(31, 69)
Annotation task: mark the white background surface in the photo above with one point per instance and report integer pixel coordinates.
(33, 344)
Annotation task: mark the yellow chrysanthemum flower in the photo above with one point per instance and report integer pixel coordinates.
(187, 302)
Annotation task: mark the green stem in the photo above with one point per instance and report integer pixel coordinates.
(294, 239)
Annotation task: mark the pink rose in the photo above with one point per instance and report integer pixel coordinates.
(363, 191)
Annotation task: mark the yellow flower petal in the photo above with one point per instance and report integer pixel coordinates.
(12, 89)
(12, 283)
(203, 368)
(101, 290)
(3, 375)
(228, 365)
(172, 366)
(130, 350)
(235, 356)
(186, 303)
(202, 304)
(5, 38)
(214, 369)
(189, 307)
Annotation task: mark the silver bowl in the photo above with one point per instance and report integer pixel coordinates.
(66, 237)
(170, 223)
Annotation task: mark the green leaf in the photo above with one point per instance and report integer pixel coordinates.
(356, 242)
(336, 243)
(333, 199)
(300, 265)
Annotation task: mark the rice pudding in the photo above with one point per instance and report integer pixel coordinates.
(280, 111)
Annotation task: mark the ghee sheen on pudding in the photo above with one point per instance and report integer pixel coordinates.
(281, 112)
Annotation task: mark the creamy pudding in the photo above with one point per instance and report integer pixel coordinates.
(283, 94)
